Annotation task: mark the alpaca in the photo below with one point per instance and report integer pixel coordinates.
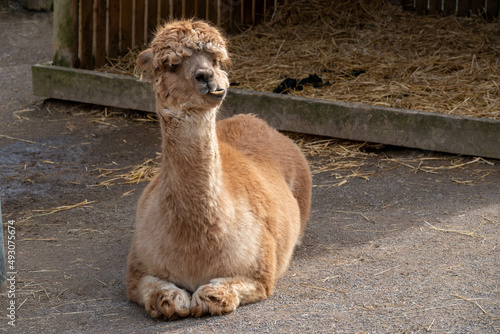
(219, 222)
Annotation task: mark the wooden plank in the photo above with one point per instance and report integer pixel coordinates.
(415, 129)
(195, 7)
(126, 7)
(236, 18)
(113, 38)
(218, 10)
(189, 8)
(165, 13)
(492, 8)
(229, 25)
(421, 6)
(212, 8)
(260, 6)
(176, 8)
(253, 11)
(246, 12)
(138, 22)
(463, 7)
(477, 7)
(75, 14)
(201, 9)
(153, 18)
(449, 7)
(408, 5)
(434, 7)
(86, 34)
(269, 8)
(230, 14)
(99, 33)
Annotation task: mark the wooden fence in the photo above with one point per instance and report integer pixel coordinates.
(489, 8)
(109, 28)
(88, 31)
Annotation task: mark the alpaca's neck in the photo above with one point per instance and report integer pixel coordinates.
(191, 168)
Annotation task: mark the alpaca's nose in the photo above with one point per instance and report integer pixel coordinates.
(204, 75)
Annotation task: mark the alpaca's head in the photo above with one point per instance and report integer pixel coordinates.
(186, 61)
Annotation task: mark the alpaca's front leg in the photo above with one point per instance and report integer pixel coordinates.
(223, 295)
(162, 299)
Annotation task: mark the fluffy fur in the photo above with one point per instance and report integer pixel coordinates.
(218, 224)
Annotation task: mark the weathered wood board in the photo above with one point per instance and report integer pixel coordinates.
(414, 129)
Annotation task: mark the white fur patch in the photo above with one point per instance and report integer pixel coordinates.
(149, 284)
(146, 286)
(170, 113)
(182, 299)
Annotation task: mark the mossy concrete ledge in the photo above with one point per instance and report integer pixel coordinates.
(414, 129)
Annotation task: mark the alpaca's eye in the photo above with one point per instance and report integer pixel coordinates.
(174, 67)
(215, 62)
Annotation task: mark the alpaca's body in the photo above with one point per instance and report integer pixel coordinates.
(221, 218)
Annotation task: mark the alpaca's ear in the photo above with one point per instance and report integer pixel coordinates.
(144, 63)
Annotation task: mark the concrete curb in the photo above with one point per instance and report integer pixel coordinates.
(414, 129)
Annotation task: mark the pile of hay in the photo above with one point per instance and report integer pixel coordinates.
(370, 52)
(375, 53)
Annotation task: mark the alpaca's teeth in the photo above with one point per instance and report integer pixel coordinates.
(218, 92)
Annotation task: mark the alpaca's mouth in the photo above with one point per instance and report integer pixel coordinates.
(218, 92)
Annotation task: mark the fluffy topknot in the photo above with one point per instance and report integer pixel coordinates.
(178, 39)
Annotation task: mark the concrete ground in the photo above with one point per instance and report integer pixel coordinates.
(399, 240)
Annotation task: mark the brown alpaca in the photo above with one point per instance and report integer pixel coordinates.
(218, 224)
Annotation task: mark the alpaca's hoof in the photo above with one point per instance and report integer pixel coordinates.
(214, 299)
(170, 304)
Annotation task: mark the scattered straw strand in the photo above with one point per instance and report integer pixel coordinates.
(39, 213)
(471, 301)
(18, 139)
(467, 233)
(316, 287)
